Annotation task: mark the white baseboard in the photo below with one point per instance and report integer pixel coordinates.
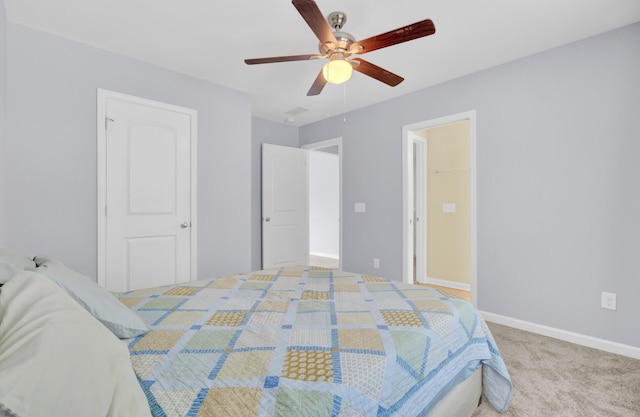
(325, 255)
(446, 283)
(577, 338)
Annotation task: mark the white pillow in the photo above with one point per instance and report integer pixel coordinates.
(103, 305)
(11, 262)
(57, 360)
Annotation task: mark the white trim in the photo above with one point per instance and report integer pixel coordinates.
(324, 144)
(101, 162)
(449, 284)
(327, 144)
(101, 136)
(567, 336)
(419, 186)
(407, 205)
(407, 202)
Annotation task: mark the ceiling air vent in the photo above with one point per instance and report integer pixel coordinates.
(298, 110)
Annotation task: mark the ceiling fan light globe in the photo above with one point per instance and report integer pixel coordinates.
(337, 71)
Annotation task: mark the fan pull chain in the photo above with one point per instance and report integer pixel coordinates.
(344, 103)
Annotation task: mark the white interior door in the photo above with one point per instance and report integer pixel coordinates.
(148, 194)
(285, 214)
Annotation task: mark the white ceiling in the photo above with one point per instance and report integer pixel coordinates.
(209, 39)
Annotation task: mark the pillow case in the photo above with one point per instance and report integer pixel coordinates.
(57, 360)
(103, 305)
(12, 261)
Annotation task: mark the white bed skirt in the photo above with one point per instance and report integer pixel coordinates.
(462, 400)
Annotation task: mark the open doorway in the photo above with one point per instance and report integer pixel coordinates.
(325, 196)
(439, 225)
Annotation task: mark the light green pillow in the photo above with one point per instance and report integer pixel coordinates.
(12, 261)
(57, 360)
(103, 305)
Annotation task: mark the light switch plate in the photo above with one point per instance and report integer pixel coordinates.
(359, 207)
(448, 207)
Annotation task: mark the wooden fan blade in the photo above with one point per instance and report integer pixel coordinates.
(272, 59)
(318, 85)
(404, 34)
(310, 12)
(374, 71)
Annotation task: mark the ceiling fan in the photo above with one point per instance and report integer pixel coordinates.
(337, 46)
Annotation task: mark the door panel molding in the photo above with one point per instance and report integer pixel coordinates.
(103, 96)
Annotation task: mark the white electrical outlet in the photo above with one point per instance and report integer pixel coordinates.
(376, 263)
(608, 300)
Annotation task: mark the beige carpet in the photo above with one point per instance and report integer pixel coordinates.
(556, 379)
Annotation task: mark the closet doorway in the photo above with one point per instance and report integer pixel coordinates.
(439, 203)
(325, 203)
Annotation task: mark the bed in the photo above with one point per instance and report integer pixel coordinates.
(300, 341)
(292, 341)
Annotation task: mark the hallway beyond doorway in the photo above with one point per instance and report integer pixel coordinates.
(324, 262)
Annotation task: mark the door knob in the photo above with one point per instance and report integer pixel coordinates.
(184, 225)
(268, 219)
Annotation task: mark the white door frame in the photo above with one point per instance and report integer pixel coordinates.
(419, 203)
(408, 139)
(101, 134)
(326, 144)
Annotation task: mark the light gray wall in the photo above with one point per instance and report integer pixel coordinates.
(51, 150)
(264, 131)
(3, 102)
(558, 178)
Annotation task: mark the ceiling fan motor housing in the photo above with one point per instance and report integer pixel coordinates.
(345, 40)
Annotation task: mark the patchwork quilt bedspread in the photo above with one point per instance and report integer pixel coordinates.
(296, 341)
